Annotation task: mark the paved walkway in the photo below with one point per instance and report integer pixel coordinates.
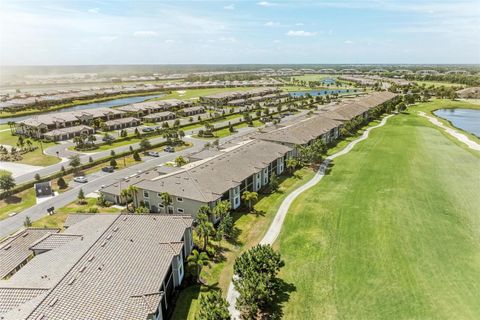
(454, 133)
(276, 226)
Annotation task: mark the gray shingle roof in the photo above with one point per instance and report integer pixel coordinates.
(15, 249)
(209, 180)
(53, 240)
(115, 271)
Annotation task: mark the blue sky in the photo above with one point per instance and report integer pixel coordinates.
(164, 32)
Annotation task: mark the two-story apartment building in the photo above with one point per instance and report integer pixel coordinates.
(225, 176)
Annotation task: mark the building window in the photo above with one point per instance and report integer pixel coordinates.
(161, 206)
(179, 199)
(180, 210)
(145, 194)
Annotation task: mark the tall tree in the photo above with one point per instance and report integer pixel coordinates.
(204, 227)
(75, 162)
(7, 182)
(256, 279)
(250, 197)
(213, 307)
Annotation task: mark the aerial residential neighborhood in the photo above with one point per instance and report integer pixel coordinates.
(223, 160)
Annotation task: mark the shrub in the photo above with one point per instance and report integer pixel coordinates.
(93, 210)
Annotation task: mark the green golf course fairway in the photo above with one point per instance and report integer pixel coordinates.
(393, 232)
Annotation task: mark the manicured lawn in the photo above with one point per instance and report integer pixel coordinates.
(36, 157)
(17, 203)
(251, 228)
(58, 219)
(393, 232)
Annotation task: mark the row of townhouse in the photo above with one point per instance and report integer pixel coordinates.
(42, 125)
(215, 175)
(101, 267)
(222, 98)
(256, 99)
(142, 109)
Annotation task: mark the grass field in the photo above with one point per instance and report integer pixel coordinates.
(36, 157)
(17, 203)
(393, 232)
(439, 84)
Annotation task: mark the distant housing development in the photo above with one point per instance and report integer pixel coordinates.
(225, 174)
(114, 266)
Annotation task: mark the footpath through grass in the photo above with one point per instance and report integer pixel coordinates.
(393, 232)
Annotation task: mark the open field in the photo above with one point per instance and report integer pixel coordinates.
(391, 233)
(251, 228)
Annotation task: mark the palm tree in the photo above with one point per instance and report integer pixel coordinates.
(129, 195)
(204, 227)
(166, 199)
(250, 197)
(91, 139)
(292, 163)
(198, 260)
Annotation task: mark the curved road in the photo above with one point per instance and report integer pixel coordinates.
(276, 225)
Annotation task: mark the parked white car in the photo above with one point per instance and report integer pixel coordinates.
(80, 179)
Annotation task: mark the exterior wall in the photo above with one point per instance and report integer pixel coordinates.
(235, 197)
(188, 206)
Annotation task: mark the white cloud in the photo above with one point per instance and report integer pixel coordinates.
(271, 24)
(94, 10)
(348, 42)
(108, 38)
(300, 33)
(299, 24)
(169, 41)
(266, 4)
(228, 39)
(145, 33)
(277, 41)
(229, 7)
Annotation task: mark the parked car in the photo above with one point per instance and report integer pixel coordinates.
(169, 149)
(108, 138)
(148, 129)
(108, 169)
(80, 179)
(152, 154)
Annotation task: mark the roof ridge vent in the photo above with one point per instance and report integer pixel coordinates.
(52, 303)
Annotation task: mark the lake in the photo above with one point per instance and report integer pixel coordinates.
(103, 104)
(315, 93)
(465, 119)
